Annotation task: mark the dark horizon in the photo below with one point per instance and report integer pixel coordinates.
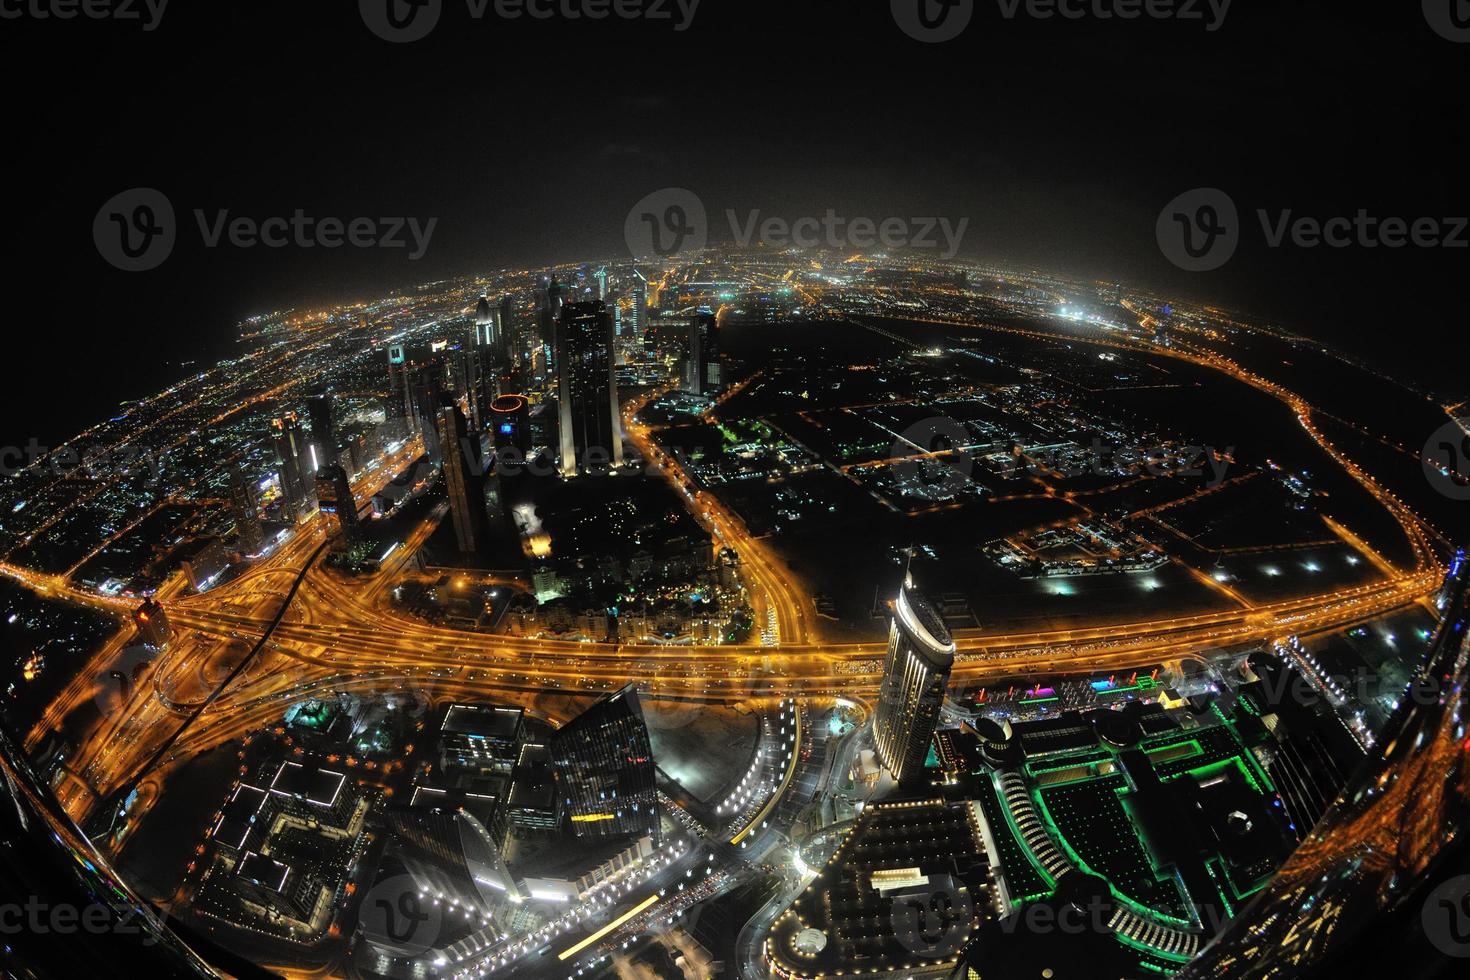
(528, 141)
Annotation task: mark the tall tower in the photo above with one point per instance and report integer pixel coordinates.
(323, 427)
(915, 674)
(603, 761)
(702, 370)
(290, 447)
(450, 852)
(245, 506)
(400, 396)
(587, 389)
(338, 506)
(639, 319)
(485, 359)
(152, 624)
(464, 480)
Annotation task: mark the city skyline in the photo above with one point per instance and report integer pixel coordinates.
(686, 490)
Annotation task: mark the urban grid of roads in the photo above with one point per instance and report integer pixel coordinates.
(343, 634)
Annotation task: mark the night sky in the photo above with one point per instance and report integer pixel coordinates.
(529, 141)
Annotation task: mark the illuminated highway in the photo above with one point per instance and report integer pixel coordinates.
(340, 634)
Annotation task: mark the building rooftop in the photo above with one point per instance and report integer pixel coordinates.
(318, 786)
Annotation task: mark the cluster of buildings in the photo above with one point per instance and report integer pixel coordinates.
(511, 824)
(281, 851)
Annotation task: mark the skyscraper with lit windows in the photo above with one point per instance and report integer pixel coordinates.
(603, 760)
(464, 480)
(915, 675)
(290, 451)
(591, 436)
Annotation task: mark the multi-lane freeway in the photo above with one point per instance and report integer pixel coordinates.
(341, 634)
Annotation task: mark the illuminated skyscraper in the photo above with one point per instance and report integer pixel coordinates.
(553, 301)
(450, 852)
(426, 396)
(915, 674)
(464, 480)
(338, 506)
(152, 623)
(603, 761)
(510, 424)
(323, 427)
(639, 316)
(245, 507)
(291, 452)
(702, 369)
(485, 360)
(587, 390)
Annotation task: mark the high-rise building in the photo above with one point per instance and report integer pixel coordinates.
(426, 396)
(604, 767)
(291, 452)
(915, 674)
(246, 509)
(464, 480)
(639, 314)
(510, 424)
(587, 390)
(600, 276)
(152, 623)
(702, 369)
(450, 852)
(553, 300)
(319, 410)
(485, 360)
(399, 389)
(487, 323)
(337, 505)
